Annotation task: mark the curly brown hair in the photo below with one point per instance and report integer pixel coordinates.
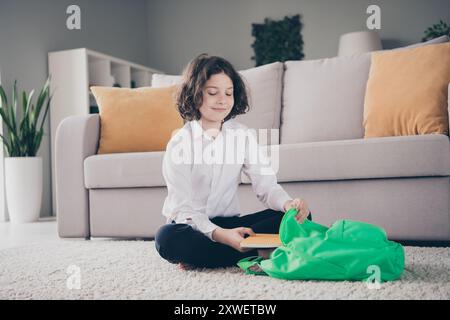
(189, 96)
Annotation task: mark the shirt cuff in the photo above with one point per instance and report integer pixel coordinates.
(209, 234)
(281, 197)
(204, 225)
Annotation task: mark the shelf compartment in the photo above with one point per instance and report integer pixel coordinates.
(141, 78)
(121, 74)
(99, 72)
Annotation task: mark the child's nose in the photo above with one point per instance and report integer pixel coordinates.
(222, 98)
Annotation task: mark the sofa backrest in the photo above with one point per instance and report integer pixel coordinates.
(264, 86)
(309, 100)
(323, 99)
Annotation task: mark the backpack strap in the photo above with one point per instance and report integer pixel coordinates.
(251, 265)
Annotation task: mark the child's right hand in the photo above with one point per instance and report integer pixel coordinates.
(232, 237)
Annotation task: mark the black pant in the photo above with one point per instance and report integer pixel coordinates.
(179, 242)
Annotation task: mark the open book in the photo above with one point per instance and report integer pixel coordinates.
(262, 240)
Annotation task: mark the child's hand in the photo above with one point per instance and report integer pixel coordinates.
(232, 237)
(301, 206)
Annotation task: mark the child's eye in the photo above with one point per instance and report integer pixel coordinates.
(214, 93)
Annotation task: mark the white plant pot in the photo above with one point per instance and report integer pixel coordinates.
(23, 182)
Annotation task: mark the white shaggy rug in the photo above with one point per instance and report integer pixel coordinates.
(108, 269)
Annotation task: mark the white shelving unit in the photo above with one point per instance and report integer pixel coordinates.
(73, 72)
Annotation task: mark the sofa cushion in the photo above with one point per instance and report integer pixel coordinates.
(264, 84)
(136, 120)
(323, 99)
(124, 170)
(387, 157)
(407, 92)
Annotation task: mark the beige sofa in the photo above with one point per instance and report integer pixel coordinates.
(399, 183)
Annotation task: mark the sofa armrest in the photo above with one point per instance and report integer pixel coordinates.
(77, 138)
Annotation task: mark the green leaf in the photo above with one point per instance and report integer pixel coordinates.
(7, 145)
(13, 110)
(24, 125)
(6, 119)
(42, 96)
(24, 101)
(47, 107)
(21, 136)
(4, 99)
(36, 143)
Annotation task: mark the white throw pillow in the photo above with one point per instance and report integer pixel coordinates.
(323, 99)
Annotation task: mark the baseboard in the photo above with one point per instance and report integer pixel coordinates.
(425, 243)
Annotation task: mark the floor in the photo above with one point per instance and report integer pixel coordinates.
(45, 230)
(37, 264)
(23, 234)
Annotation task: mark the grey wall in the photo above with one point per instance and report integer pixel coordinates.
(30, 29)
(178, 30)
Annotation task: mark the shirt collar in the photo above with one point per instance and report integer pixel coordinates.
(198, 131)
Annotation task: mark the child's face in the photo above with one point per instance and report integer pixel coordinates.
(218, 99)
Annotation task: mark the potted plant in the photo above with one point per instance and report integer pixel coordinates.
(22, 138)
(278, 40)
(437, 30)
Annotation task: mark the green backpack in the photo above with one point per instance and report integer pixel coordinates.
(348, 250)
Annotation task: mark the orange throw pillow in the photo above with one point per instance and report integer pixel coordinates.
(136, 120)
(407, 92)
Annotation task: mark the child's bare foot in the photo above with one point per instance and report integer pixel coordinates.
(256, 268)
(185, 266)
(265, 253)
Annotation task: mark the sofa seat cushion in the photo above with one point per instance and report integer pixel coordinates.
(386, 157)
(124, 170)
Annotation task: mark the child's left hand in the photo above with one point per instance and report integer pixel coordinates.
(301, 206)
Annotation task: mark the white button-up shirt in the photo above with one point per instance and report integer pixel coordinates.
(203, 174)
